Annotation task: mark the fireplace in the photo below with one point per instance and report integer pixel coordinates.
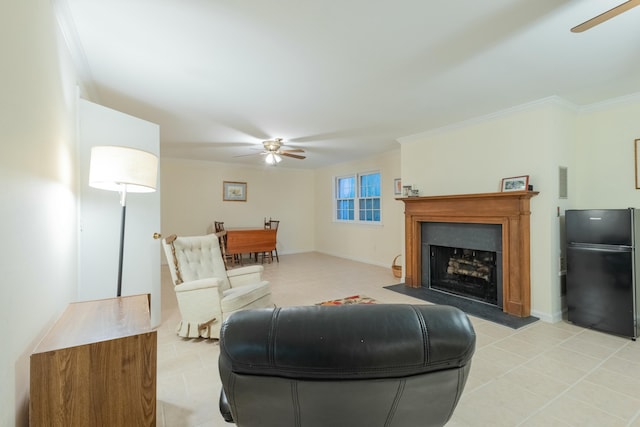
(506, 212)
(463, 259)
(464, 272)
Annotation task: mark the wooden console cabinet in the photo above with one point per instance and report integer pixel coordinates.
(96, 367)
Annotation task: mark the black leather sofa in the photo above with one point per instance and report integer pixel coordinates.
(358, 365)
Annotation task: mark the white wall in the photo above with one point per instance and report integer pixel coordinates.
(192, 200)
(605, 177)
(39, 206)
(473, 157)
(373, 244)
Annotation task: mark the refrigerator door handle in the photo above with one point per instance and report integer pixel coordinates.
(587, 247)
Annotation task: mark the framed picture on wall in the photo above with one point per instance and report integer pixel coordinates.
(233, 191)
(515, 183)
(397, 186)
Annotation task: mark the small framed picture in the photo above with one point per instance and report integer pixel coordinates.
(397, 186)
(516, 183)
(234, 191)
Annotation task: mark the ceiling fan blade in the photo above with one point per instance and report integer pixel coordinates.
(605, 16)
(252, 154)
(295, 150)
(295, 156)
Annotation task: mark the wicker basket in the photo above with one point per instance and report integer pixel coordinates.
(396, 269)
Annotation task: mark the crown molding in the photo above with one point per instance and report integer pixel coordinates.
(631, 98)
(70, 35)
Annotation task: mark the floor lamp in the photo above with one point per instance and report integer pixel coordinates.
(125, 170)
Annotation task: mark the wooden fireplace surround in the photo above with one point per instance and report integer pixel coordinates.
(509, 209)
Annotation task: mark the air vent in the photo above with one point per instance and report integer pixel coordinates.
(563, 191)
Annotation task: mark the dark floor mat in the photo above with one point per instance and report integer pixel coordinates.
(472, 308)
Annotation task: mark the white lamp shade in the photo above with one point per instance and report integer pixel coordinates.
(123, 168)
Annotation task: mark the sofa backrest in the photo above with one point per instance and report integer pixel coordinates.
(356, 365)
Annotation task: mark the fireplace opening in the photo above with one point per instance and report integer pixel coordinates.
(463, 260)
(465, 272)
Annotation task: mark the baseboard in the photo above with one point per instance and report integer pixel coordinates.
(546, 317)
(364, 261)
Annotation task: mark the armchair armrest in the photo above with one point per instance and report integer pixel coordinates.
(245, 275)
(245, 270)
(211, 282)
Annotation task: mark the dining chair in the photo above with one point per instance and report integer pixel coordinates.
(218, 227)
(271, 224)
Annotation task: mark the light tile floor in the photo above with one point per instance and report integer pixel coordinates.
(540, 375)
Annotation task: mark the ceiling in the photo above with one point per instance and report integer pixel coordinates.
(340, 79)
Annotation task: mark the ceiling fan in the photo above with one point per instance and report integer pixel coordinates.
(273, 150)
(605, 16)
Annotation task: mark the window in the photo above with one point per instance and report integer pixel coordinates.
(358, 197)
(345, 198)
(369, 197)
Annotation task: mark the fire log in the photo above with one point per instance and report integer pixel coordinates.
(470, 268)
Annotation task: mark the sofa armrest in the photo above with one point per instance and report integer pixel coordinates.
(225, 408)
(211, 282)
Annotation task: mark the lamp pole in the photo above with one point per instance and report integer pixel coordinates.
(123, 203)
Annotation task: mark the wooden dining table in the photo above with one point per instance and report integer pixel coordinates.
(250, 241)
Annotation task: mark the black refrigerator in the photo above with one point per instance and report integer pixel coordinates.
(601, 270)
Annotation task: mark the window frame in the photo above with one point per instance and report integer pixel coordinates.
(357, 198)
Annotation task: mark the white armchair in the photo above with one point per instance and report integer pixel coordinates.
(207, 293)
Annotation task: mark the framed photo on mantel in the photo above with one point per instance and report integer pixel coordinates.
(516, 183)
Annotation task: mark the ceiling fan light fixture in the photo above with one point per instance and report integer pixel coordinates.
(272, 159)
